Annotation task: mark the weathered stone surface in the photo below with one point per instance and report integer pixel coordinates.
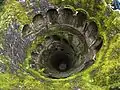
(59, 44)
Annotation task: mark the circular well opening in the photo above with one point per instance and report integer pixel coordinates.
(61, 61)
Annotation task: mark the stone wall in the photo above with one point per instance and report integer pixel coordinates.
(31, 33)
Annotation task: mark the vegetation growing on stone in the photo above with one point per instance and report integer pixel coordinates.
(104, 74)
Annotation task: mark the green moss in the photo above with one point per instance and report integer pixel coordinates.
(5, 81)
(108, 1)
(12, 11)
(100, 76)
(5, 60)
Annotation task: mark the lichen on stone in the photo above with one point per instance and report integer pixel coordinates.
(15, 16)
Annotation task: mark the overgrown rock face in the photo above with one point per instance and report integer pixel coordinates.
(70, 42)
(59, 44)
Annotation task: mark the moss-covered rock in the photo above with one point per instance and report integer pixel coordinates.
(16, 49)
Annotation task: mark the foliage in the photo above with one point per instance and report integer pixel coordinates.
(100, 76)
